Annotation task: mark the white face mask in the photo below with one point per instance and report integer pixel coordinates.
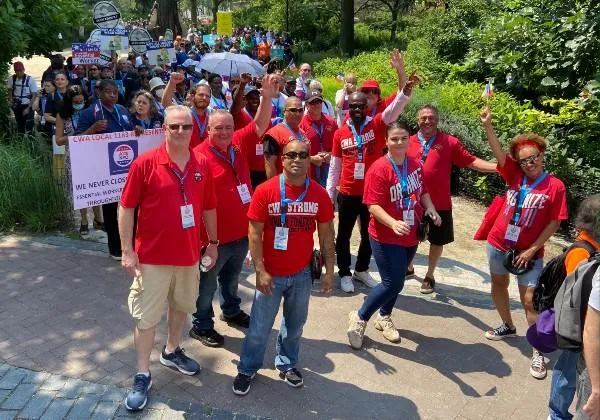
(78, 107)
(159, 93)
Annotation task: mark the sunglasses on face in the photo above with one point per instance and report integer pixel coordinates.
(296, 155)
(370, 90)
(296, 110)
(357, 106)
(528, 160)
(176, 127)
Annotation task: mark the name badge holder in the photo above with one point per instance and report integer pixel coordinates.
(513, 230)
(282, 232)
(187, 210)
(406, 204)
(260, 150)
(359, 166)
(242, 188)
(321, 171)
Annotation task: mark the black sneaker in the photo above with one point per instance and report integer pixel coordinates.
(242, 320)
(84, 230)
(179, 361)
(241, 384)
(209, 338)
(501, 332)
(292, 377)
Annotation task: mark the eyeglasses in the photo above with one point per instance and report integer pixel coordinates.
(357, 106)
(296, 110)
(176, 127)
(529, 160)
(374, 91)
(296, 155)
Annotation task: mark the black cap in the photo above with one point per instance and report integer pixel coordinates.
(314, 94)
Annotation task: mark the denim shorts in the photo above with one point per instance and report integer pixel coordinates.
(496, 262)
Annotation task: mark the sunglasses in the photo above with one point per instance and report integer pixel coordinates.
(357, 106)
(176, 127)
(374, 91)
(528, 160)
(296, 110)
(296, 155)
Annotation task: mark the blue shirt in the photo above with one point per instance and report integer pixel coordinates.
(118, 120)
(154, 122)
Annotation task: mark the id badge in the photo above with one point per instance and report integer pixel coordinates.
(512, 233)
(359, 170)
(409, 217)
(187, 216)
(281, 238)
(244, 193)
(259, 150)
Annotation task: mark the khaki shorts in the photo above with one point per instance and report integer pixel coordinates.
(159, 284)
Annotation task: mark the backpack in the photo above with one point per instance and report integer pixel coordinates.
(552, 276)
(571, 303)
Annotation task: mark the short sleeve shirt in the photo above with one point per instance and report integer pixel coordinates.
(276, 138)
(320, 134)
(23, 88)
(594, 301)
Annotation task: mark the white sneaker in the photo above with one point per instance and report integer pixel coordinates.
(538, 365)
(386, 325)
(356, 330)
(346, 284)
(365, 278)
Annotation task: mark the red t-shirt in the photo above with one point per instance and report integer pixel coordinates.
(199, 132)
(327, 127)
(232, 224)
(445, 152)
(344, 147)
(382, 187)
(241, 119)
(301, 219)
(152, 187)
(252, 153)
(276, 138)
(546, 202)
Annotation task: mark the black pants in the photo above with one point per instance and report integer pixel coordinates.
(351, 207)
(24, 122)
(257, 178)
(111, 224)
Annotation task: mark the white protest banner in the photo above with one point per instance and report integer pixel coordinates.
(168, 35)
(114, 39)
(138, 39)
(160, 52)
(105, 15)
(85, 53)
(100, 163)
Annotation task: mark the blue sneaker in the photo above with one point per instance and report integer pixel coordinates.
(180, 361)
(138, 396)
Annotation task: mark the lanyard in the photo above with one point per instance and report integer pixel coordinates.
(374, 112)
(115, 108)
(285, 201)
(75, 120)
(145, 124)
(523, 193)
(298, 135)
(230, 161)
(358, 137)
(181, 179)
(402, 179)
(426, 145)
(319, 131)
(201, 127)
(220, 103)
(60, 96)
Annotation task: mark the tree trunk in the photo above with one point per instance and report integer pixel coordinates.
(347, 27)
(394, 27)
(194, 12)
(168, 17)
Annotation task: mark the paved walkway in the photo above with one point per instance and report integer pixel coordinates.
(63, 315)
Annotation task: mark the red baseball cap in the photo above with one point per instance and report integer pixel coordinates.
(370, 84)
(18, 66)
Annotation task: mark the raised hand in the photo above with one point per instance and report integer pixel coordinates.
(486, 116)
(269, 87)
(397, 60)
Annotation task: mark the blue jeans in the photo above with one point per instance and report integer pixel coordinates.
(564, 381)
(295, 291)
(392, 261)
(227, 271)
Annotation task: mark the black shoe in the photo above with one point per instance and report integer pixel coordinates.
(84, 230)
(117, 256)
(409, 273)
(99, 226)
(292, 377)
(241, 384)
(242, 320)
(209, 338)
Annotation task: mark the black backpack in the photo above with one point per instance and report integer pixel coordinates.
(552, 277)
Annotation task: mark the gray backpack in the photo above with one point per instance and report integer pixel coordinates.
(571, 302)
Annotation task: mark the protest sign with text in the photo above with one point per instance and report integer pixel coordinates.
(209, 39)
(100, 163)
(160, 52)
(224, 23)
(114, 39)
(85, 53)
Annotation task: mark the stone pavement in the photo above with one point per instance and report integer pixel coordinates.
(63, 312)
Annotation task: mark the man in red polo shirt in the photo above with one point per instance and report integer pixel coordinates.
(356, 145)
(200, 107)
(320, 130)
(284, 213)
(173, 190)
(438, 151)
(224, 150)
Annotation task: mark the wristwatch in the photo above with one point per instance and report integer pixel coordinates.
(215, 243)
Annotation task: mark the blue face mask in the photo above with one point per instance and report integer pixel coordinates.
(78, 107)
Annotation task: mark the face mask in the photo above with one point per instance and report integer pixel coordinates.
(159, 93)
(78, 107)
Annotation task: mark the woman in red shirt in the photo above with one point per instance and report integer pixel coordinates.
(397, 199)
(535, 206)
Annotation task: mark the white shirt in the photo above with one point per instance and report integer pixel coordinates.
(22, 91)
(594, 301)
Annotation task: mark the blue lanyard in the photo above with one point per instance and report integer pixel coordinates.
(181, 179)
(319, 131)
(402, 179)
(285, 201)
(358, 138)
(60, 96)
(524, 192)
(146, 125)
(75, 120)
(230, 161)
(426, 145)
(115, 108)
(298, 135)
(201, 127)
(374, 112)
(220, 103)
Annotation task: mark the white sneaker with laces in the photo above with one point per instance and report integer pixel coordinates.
(346, 284)
(365, 278)
(538, 365)
(356, 330)
(386, 325)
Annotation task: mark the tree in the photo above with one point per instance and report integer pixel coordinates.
(168, 17)
(395, 7)
(347, 27)
(215, 8)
